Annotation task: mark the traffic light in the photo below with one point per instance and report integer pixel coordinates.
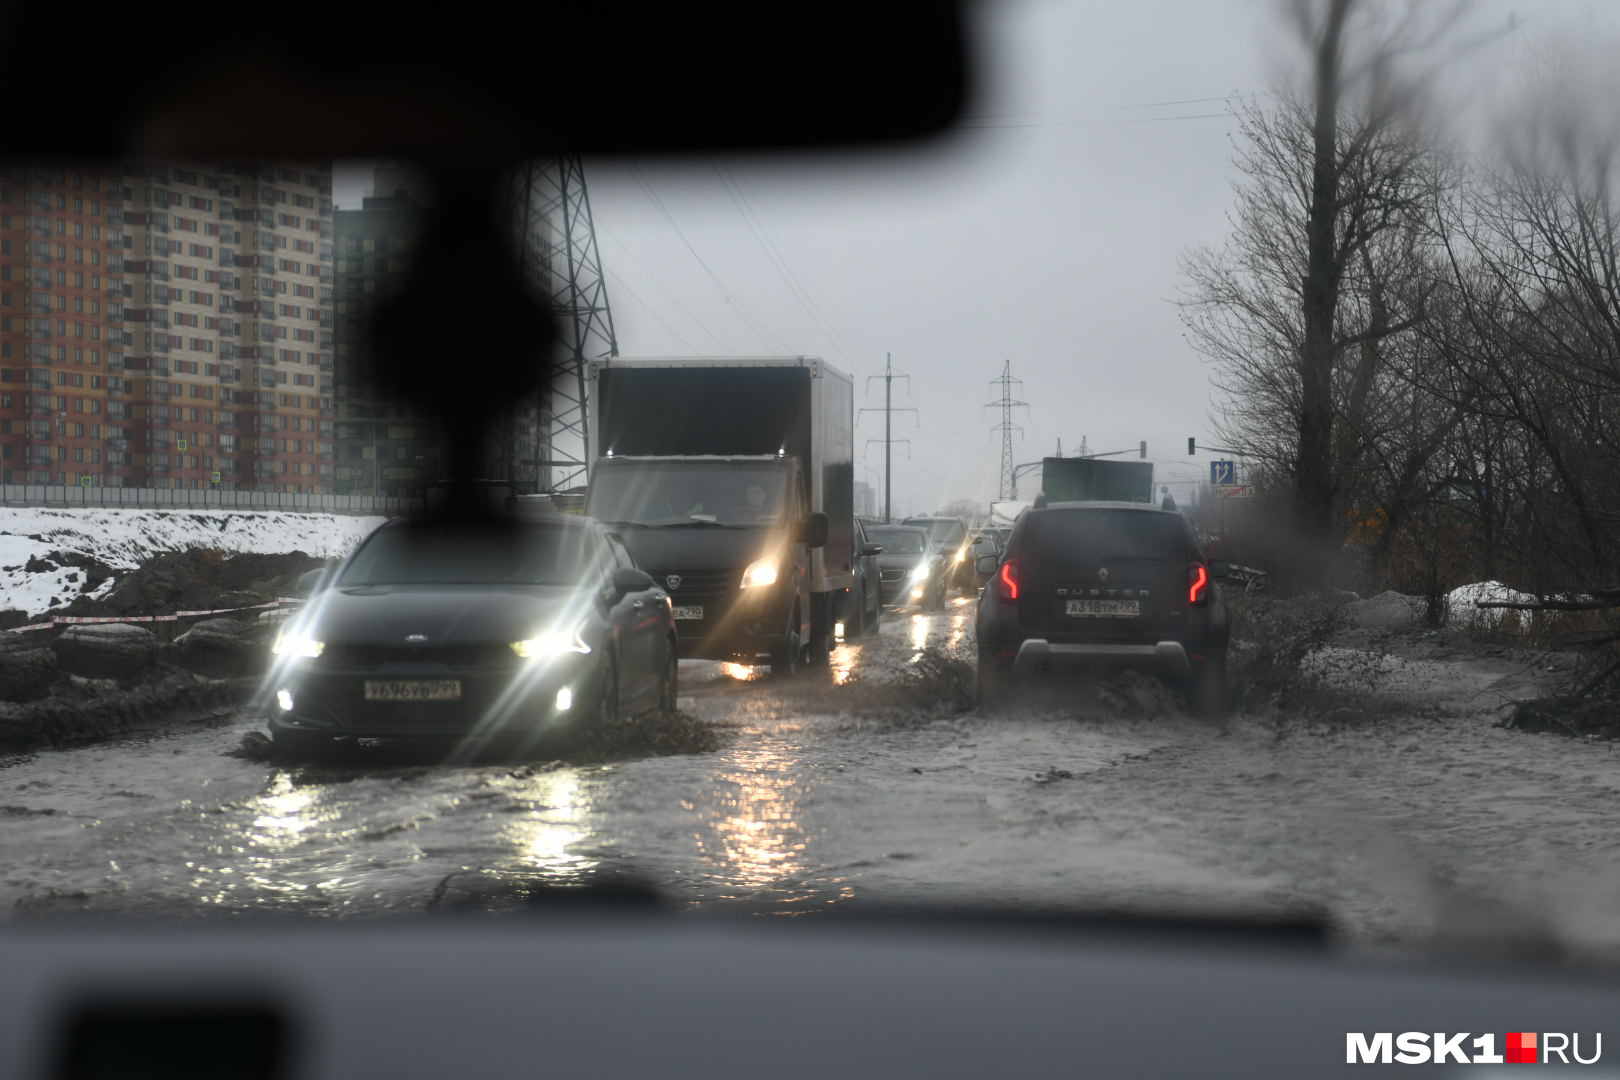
(1192, 447)
(1144, 450)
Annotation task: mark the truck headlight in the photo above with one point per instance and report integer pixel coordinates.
(552, 643)
(297, 644)
(759, 574)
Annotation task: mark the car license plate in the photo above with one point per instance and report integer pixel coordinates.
(1102, 607)
(693, 612)
(413, 689)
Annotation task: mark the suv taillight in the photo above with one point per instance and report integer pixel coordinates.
(1197, 583)
(1007, 582)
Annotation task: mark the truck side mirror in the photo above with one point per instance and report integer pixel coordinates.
(986, 564)
(813, 530)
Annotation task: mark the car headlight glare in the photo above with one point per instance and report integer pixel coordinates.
(552, 643)
(297, 644)
(920, 574)
(759, 574)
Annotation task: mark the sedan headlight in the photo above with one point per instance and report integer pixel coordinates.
(552, 643)
(759, 574)
(297, 643)
(920, 573)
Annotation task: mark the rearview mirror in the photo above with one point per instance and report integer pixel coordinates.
(1219, 569)
(986, 564)
(813, 530)
(872, 549)
(627, 579)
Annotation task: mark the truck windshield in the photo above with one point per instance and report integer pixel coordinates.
(679, 493)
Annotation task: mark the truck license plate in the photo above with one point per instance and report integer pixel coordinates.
(1102, 607)
(413, 689)
(692, 612)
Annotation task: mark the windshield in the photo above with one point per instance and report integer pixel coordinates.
(725, 493)
(942, 534)
(1339, 279)
(898, 541)
(487, 556)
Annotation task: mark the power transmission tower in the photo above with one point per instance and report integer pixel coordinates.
(888, 439)
(1006, 404)
(543, 445)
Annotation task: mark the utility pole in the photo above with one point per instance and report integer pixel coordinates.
(888, 440)
(1006, 404)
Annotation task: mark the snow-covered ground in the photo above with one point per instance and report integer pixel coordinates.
(123, 539)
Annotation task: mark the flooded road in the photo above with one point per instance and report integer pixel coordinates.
(873, 782)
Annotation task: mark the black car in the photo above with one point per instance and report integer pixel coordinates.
(1103, 586)
(912, 569)
(523, 627)
(950, 536)
(863, 604)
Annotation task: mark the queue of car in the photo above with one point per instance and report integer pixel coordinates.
(532, 625)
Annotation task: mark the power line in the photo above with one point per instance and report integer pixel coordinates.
(1105, 123)
(660, 286)
(752, 321)
(796, 289)
(634, 296)
(780, 246)
(1120, 108)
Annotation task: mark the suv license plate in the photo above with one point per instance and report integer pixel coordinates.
(1126, 608)
(413, 690)
(693, 612)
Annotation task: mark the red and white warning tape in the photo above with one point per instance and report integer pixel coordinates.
(65, 620)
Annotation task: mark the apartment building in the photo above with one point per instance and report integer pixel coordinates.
(62, 381)
(181, 316)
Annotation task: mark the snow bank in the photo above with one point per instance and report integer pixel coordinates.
(123, 539)
(1461, 600)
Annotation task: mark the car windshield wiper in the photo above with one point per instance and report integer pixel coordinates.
(632, 524)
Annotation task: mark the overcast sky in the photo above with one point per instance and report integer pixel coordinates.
(1046, 233)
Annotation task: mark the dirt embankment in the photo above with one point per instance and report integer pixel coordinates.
(78, 683)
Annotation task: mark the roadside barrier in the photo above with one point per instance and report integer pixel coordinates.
(69, 620)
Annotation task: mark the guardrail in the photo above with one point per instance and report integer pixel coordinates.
(131, 498)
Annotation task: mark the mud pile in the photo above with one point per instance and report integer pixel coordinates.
(198, 580)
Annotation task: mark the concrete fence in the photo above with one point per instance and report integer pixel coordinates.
(56, 495)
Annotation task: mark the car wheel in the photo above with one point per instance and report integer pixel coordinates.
(936, 598)
(994, 684)
(1210, 693)
(855, 624)
(877, 614)
(788, 657)
(669, 686)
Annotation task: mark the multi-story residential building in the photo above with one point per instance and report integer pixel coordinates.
(191, 326)
(62, 382)
(384, 446)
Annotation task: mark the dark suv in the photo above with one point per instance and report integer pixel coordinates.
(1102, 586)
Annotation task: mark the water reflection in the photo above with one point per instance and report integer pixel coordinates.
(920, 625)
(545, 840)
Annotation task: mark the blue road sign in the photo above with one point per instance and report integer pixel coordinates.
(1222, 473)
